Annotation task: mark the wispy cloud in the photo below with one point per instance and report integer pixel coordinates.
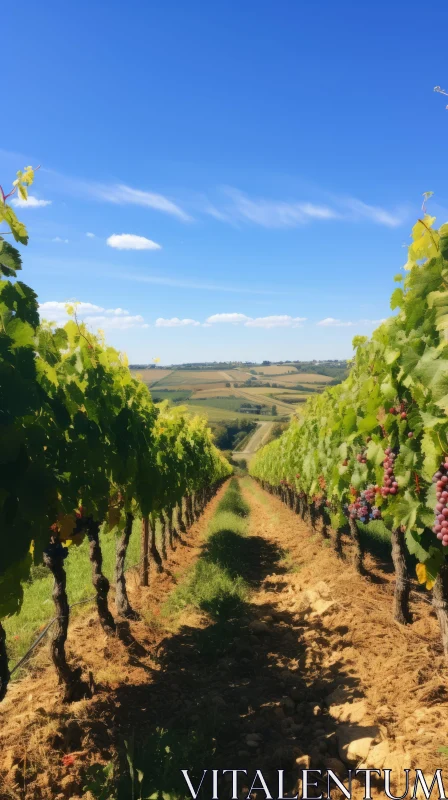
(90, 235)
(175, 322)
(129, 241)
(126, 195)
(92, 314)
(59, 240)
(239, 207)
(274, 321)
(359, 211)
(31, 202)
(119, 194)
(185, 283)
(275, 213)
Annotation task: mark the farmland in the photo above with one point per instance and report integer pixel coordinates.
(220, 394)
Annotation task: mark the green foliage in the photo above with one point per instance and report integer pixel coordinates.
(79, 435)
(403, 368)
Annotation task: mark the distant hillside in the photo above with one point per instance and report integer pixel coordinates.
(337, 370)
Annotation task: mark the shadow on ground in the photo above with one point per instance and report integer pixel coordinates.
(240, 693)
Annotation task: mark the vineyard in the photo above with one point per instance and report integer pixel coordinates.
(83, 449)
(235, 636)
(372, 452)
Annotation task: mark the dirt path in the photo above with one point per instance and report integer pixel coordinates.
(369, 676)
(257, 440)
(309, 671)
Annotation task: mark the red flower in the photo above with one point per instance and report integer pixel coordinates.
(68, 760)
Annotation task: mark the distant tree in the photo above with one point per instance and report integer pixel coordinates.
(265, 363)
(228, 385)
(274, 411)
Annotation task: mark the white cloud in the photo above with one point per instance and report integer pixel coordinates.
(92, 314)
(58, 239)
(118, 323)
(233, 318)
(55, 307)
(275, 321)
(90, 235)
(126, 195)
(330, 322)
(129, 241)
(281, 321)
(32, 202)
(175, 322)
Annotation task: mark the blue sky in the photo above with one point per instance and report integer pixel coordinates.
(267, 157)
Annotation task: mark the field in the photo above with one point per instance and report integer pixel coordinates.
(281, 369)
(151, 376)
(218, 414)
(193, 378)
(219, 394)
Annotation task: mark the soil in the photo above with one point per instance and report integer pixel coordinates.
(311, 671)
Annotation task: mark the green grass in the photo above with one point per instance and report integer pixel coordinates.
(215, 584)
(175, 395)
(37, 607)
(218, 414)
(233, 502)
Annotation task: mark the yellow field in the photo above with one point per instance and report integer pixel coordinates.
(305, 377)
(275, 370)
(194, 378)
(151, 376)
(221, 390)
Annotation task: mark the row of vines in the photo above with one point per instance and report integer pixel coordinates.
(373, 451)
(83, 449)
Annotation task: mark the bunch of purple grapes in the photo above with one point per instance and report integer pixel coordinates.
(390, 485)
(363, 508)
(440, 478)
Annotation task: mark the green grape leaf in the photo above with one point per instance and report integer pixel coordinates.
(10, 259)
(396, 299)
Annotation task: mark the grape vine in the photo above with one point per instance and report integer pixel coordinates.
(385, 426)
(82, 448)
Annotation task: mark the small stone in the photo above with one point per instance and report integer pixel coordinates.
(355, 741)
(349, 712)
(259, 627)
(316, 710)
(377, 755)
(303, 762)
